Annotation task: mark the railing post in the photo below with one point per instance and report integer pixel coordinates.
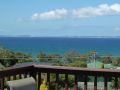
(20, 76)
(8, 78)
(85, 82)
(105, 82)
(95, 83)
(56, 81)
(1, 83)
(32, 73)
(14, 77)
(48, 80)
(76, 82)
(66, 81)
(116, 83)
(39, 80)
(25, 75)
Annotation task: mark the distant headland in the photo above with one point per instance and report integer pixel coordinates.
(60, 36)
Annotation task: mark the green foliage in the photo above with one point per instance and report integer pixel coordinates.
(78, 64)
(71, 56)
(44, 57)
(116, 61)
(54, 58)
(23, 57)
(61, 81)
(113, 83)
(5, 57)
(9, 58)
(107, 60)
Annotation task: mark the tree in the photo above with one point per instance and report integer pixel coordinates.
(116, 61)
(71, 56)
(23, 57)
(9, 58)
(107, 60)
(42, 56)
(78, 64)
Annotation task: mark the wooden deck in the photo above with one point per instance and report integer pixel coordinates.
(37, 70)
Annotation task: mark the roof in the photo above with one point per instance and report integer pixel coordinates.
(1, 66)
(31, 63)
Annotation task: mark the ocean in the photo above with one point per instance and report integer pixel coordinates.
(35, 45)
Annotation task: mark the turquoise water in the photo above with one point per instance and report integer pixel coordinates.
(35, 45)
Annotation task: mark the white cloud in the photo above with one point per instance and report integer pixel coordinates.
(85, 12)
(50, 15)
(101, 10)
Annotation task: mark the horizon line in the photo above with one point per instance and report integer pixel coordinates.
(30, 36)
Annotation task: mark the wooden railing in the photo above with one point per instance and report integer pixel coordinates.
(36, 72)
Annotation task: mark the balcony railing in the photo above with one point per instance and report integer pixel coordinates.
(36, 72)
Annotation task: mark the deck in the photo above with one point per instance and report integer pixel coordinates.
(36, 71)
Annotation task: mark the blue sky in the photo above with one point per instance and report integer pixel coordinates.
(46, 18)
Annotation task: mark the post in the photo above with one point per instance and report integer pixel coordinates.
(1, 83)
(94, 58)
(85, 82)
(39, 80)
(48, 80)
(105, 83)
(95, 83)
(14, 77)
(116, 83)
(76, 82)
(66, 81)
(56, 81)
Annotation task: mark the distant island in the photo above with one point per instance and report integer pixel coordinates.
(60, 36)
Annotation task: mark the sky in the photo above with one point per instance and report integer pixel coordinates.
(60, 18)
